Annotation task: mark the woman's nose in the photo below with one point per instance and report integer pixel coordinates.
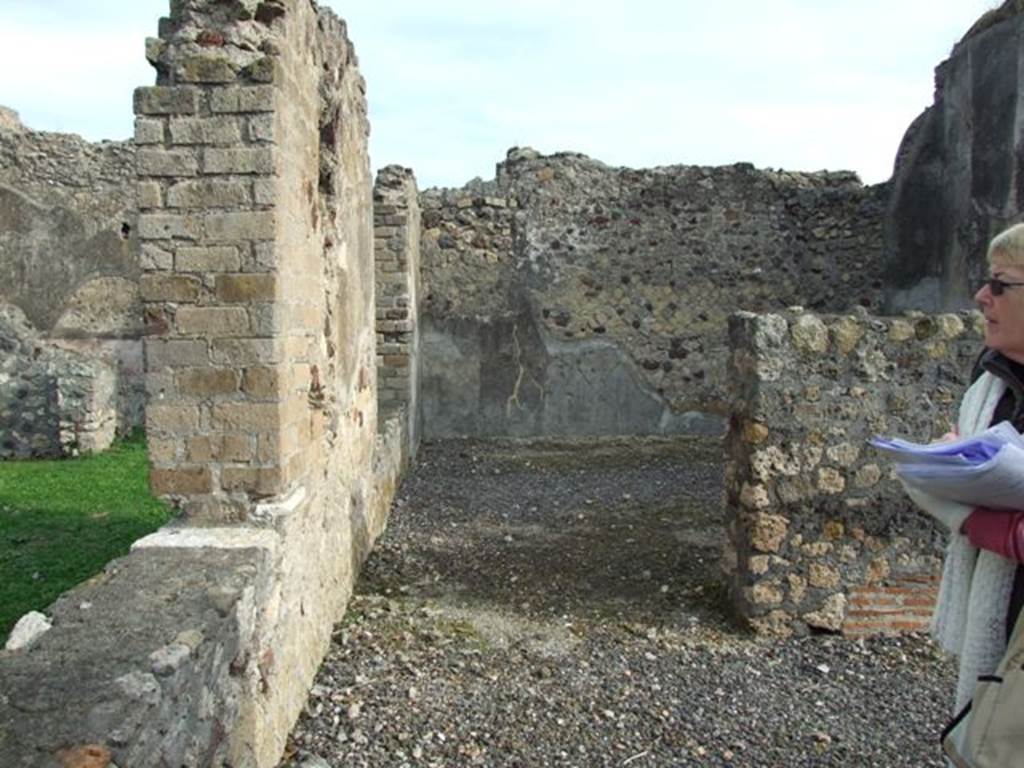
(984, 295)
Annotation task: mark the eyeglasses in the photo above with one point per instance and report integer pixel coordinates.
(997, 286)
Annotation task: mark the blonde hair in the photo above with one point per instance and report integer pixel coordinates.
(1007, 248)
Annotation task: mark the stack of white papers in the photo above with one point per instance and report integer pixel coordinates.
(986, 470)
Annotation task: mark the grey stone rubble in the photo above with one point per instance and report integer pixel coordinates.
(563, 605)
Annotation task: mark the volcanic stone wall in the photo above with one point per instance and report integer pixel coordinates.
(256, 226)
(958, 179)
(566, 297)
(822, 535)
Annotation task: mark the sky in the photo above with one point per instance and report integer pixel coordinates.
(453, 84)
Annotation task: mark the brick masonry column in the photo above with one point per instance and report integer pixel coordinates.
(206, 165)
(396, 213)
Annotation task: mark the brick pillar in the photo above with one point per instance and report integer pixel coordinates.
(206, 177)
(822, 536)
(396, 214)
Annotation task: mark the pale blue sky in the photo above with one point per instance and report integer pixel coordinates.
(452, 84)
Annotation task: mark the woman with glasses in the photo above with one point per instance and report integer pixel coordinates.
(982, 588)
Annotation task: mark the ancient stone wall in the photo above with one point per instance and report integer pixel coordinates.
(567, 297)
(256, 227)
(957, 181)
(822, 535)
(68, 247)
(54, 402)
(396, 214)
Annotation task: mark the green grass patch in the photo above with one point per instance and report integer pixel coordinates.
(61, 521)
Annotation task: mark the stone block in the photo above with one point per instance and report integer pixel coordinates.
(231, 448)
(261, 128)
(208, 193)
(207, 382)
(168, 226)
(822, 576)
(151, 161)
(265, 481)
(153, 257)
(245, 288)
(262, 382)
(162, 450)
(239, 226)
(264, 191)
(268, 320)
(174, 419)
(810, 335)
(212, 321)
(206, 130)
(182, 481)
(149, 131)
(237, 448)
(249, 417)
(257, 98)
(830, 616)
(239, 160)
(175, 353)
(223, 258)
(149, 194)
(767, 532)
(264, 257)
(246, 352)
(164, 100)
(169, 287)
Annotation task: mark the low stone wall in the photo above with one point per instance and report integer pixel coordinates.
(54, 402)
(822, 535)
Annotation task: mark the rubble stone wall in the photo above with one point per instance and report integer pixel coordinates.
(256, 229)
(567, 297)
(396, 214)
(54, 402)
(68, 245)
(822, 535)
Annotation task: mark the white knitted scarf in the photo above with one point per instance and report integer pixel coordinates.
(970, 615)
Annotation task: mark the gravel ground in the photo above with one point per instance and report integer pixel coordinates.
(562, 605)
